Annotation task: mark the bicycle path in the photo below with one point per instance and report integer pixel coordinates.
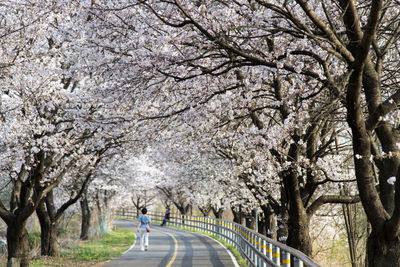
(169, 247)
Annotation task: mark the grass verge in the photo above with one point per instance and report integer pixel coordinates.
(91, 253)
(242, 262)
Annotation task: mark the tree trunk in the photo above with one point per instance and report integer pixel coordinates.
(262, 226)
(381, 251)
(387, 136)
(282, 232)
(205, 210)
(217, 212)
(17, 245)
(48, 226)
(101, 217)
(183, 209)
(267, 226)
(250, 221)
(281, 220)
(49, 234)
(86, 215)
(236, 215)
(299, 221)
(299, 235)
(137, 202)
(386, 191)
(49, 237)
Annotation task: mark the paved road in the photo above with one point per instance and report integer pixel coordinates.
(169, 247)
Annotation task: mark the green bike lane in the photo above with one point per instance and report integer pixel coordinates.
(169, 247)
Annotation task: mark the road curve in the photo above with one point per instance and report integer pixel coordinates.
(172, 248)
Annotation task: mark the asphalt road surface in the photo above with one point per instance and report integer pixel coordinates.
(169, 247)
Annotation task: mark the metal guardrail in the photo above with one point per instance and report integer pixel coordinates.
(258, 250)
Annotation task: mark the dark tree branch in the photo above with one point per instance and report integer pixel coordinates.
(331, 199)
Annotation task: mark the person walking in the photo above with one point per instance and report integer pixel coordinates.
(144, 229)
(166, 217)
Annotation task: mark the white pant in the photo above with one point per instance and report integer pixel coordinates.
(144, 238)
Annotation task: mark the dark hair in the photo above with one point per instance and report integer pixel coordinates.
(144, 210)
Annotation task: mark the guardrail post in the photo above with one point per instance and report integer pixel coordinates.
(221, 230)
(226, 227)
(249, 249)
(253, 258)
(297, 262)
(276, 257)
(259, 248)
(237, 237)
(244, 245)
(263, 250)
(244, 234)
(254, 247)
(225, 231)
(285, 259)
(269, 251)
(248, 252)
(228, 232)
(215, 228)
(231, 233)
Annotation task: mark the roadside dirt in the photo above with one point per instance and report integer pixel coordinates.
(60, 262)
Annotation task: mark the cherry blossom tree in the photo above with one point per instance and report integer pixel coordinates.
(28, 103)
(53, 109)
(138, 179)
(235, 95)
(309, 46)
(50, 212)
(280, 89)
